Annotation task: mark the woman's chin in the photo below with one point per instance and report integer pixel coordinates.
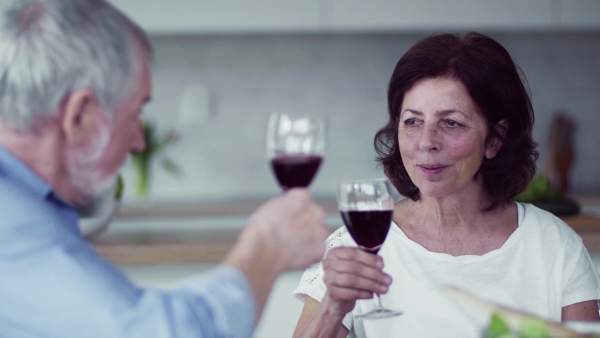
(434, 190)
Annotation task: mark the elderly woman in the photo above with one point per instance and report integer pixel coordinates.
(458, 145)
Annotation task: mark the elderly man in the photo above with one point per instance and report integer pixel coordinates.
(74, 76)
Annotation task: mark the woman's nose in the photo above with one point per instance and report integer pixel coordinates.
(430, 138)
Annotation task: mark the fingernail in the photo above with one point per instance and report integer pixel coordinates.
(387, 280)
(383, 289)
(379, 264)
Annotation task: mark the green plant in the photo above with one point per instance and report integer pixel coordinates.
(142, 161)
(119, 188)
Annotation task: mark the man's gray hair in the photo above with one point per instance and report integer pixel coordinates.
(49, 48)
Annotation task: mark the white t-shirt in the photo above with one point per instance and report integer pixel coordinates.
(542, 267)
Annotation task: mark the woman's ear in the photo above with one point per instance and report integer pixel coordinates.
(78, 115)
(494, 144)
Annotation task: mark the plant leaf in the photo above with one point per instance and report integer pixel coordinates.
(119, 189)
(171, 166)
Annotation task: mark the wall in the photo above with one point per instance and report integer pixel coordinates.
(238, 80)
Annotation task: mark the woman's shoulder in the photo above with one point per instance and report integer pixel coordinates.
(537, 219)
(311, 283)
(340, 237)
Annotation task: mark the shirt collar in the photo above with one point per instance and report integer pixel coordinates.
(18, 172)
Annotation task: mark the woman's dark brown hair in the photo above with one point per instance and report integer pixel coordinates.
(499, 91)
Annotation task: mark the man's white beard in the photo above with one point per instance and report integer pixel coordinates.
(86, 175)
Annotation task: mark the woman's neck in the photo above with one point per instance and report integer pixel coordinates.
(456, 225)
(460, 209)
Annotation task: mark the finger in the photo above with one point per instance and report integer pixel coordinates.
(352, 281)
(348, 294)
(319, 213)
(300, 193)
(322, 234)
(357, 255)
(356, 269)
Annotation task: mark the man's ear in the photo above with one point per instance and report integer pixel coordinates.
(495, 143)
(78, 115)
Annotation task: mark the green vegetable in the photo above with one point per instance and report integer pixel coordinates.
(528, 328)
(533, 328)
(539, 189)
(498, 327)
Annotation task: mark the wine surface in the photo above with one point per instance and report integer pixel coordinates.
(368, 228)
(293, 171)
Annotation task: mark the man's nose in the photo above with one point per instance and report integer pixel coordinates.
(139, 142)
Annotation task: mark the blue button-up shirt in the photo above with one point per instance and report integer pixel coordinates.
(53, 284)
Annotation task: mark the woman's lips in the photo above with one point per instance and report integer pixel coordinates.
(432, 169)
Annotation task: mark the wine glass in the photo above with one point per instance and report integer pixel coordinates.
(295, 147)
(367, 207)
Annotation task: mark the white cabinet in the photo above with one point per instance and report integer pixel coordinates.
(411, 15)
(287, 16)
(436, 15)
(222, 16)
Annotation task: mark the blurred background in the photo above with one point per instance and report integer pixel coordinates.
(221, 67)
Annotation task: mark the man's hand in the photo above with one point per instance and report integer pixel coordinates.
(285, 233)
(292, 226)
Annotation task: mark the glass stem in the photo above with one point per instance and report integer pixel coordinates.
(377, 301)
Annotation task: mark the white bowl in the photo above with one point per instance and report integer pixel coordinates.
(97, 215)
(584, 327)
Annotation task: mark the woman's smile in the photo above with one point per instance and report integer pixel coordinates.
(432, 169)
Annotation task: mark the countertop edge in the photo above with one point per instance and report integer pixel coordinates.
(587, 226)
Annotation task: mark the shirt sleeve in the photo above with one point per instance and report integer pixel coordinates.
(229, 294)
(219, 303)
(312, 284)
(582, 281)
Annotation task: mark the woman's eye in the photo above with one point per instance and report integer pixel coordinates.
(452, 123)
(410, 122)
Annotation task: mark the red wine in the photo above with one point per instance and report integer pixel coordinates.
(368, 228)
(295, 170)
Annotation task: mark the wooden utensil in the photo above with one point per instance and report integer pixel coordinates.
(561, 153)
(512, 317)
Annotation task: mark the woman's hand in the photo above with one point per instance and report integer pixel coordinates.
(352, 274)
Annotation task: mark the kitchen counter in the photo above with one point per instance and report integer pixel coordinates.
(197, 233)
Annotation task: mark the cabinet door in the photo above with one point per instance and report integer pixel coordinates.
(222, 16)
(407, 15)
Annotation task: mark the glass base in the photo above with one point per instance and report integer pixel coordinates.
(379, 313)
